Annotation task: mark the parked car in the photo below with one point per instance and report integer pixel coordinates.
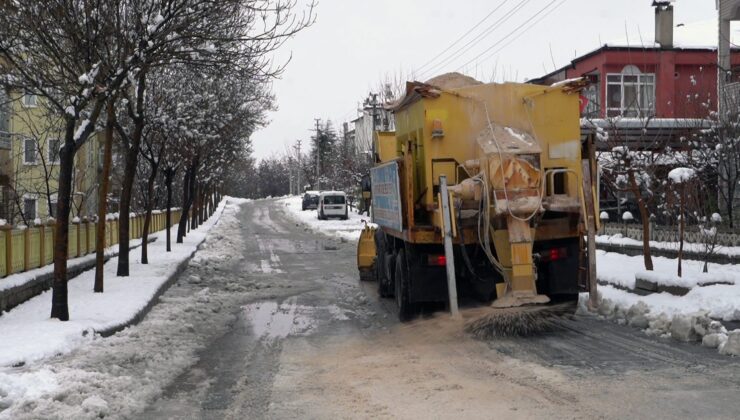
(310, 200)
(333, 204)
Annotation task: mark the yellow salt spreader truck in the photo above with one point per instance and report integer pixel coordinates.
(484, 190)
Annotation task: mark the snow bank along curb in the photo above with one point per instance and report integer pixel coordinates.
(34, 282)
(29, 335)
(688, 308)
(139, 316)
(691, 327)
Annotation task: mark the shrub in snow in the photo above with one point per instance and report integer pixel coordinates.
(681, 175)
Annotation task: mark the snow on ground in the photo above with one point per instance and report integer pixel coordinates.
(120, 375)
(686, 318)
(618, 239)
(124, 297)
(620, 269)
(722, 301)
(347, 229)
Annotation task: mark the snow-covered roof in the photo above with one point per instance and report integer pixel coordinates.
(694, 35)
(699, 35)
(325, 193)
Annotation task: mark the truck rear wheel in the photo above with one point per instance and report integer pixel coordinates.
(405, 308)
(381, 262)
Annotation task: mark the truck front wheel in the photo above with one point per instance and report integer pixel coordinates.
(405, 309)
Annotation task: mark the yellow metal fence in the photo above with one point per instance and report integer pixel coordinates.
(29, 248)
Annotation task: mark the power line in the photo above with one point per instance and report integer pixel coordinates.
(522, 33)
(508, 35)
(463, 36)
(477, 39)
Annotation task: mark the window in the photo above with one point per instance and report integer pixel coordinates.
(333, 199)
(4, 119)
(30, 147)
(53, 208)
(591, 93)
(29, 208)
(630, 93)
(29, 100)
(53, 146)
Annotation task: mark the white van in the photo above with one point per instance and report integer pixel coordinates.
(332, 204)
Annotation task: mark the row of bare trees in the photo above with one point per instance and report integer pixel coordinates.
(179, 83)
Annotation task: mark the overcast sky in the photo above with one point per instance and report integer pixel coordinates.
(355, 44)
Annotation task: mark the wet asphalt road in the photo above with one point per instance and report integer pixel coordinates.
(322, 345)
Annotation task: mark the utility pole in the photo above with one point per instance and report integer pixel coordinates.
(318, 154)
(297, 147)
(372, 103)
(290, 175)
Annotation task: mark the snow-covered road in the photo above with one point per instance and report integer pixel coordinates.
(270, 321)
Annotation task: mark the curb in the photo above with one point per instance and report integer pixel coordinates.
(142, 313)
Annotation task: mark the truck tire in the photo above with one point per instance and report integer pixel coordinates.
(405, 308)
(386, 288)
(380, 264)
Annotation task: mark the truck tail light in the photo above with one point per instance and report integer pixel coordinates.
(436, 260)
(553, 254)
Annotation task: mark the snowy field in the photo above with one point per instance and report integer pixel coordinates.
(124, 297)
(347, 229)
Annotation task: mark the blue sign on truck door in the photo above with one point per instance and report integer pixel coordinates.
(386, 194)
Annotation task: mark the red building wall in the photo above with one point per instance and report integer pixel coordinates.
(685, 80)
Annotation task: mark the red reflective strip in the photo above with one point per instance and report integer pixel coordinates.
(437, 260)
(554, 254)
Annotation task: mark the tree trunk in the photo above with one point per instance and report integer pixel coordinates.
(194, 191)
(103, 200)
(129, 174)
(186, 202)
(203, 204)
(59, 303)
(168, 174)
(645, 219)
(148, 216)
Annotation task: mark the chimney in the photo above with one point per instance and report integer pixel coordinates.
(664, 23)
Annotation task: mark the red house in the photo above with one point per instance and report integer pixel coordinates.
(673, 77)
